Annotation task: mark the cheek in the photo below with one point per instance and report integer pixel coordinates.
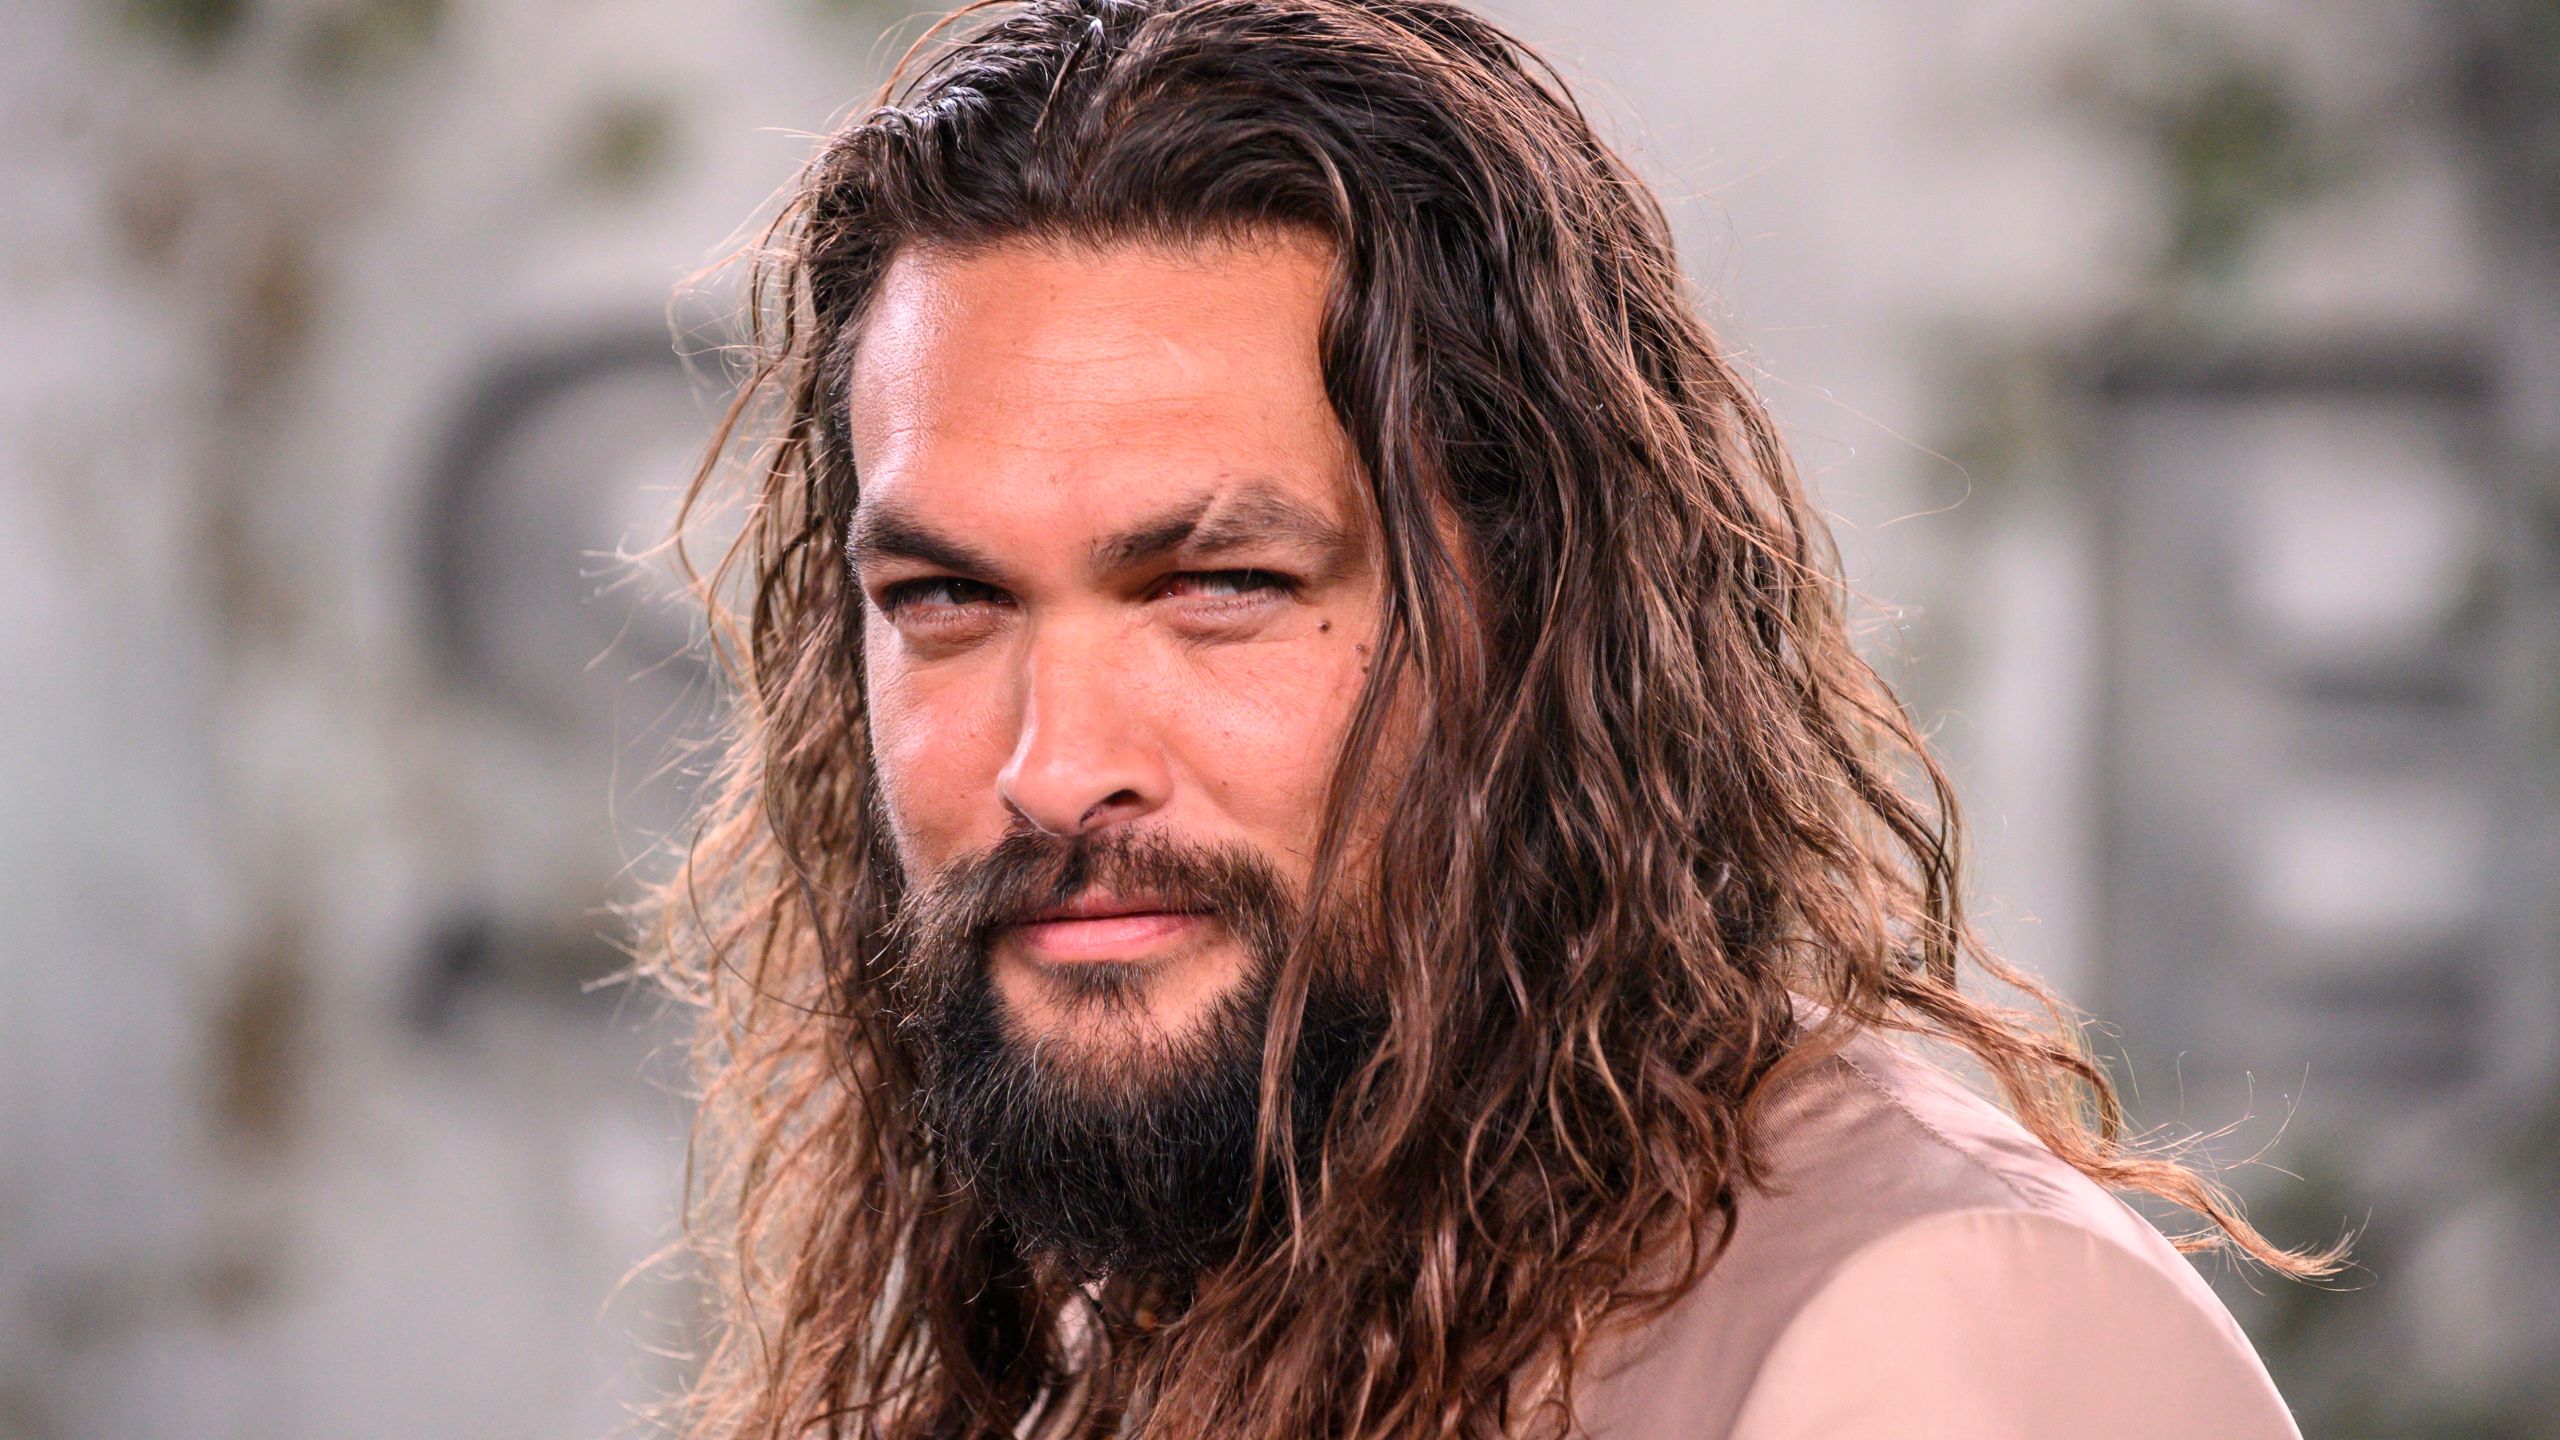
(1262, 732)
(934, 750)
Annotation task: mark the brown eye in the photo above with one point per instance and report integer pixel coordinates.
(1229, 584)
(936, 593)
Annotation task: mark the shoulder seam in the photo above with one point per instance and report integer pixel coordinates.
(2025, 1201)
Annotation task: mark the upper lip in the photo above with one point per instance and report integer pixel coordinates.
(1096, 905)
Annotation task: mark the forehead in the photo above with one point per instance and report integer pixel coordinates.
(1032, 377)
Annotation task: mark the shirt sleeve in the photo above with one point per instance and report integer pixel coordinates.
(2010, 1325)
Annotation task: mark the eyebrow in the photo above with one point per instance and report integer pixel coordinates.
(883, 532)
(1254, 514)
(1211, 525)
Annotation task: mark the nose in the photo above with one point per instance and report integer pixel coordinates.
(1084, 757)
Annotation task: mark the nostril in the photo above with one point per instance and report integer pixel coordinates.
(1118, 800)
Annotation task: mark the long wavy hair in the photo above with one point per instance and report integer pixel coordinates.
(1656, 800)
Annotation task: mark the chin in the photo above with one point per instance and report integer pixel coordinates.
(1121, 1014)
(1109, 1021)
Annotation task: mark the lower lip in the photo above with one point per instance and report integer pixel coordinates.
(1105, 937)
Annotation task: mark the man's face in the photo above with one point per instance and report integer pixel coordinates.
(1121, 588)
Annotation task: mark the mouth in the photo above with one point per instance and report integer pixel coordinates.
(1097, 928)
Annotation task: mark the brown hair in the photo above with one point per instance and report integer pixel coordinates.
(1656, 791)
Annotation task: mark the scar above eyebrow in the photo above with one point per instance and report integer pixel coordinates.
(1149, 539)
(1199, 529)
(1218, 524)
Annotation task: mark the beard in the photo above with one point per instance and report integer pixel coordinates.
(1135, 1159)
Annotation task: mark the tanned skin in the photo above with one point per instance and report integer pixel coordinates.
(1117, 572)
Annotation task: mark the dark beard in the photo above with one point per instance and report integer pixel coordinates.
(1138, 1165)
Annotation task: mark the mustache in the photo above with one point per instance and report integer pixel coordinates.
(959, 909)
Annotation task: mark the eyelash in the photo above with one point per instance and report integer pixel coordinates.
(914, 592)
(1247, 582)
(898, 597)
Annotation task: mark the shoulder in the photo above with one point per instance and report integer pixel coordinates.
(2007, 1324)
(1904, 1226)
(1870, 1141)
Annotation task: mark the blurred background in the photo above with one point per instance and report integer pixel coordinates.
(2184, 378)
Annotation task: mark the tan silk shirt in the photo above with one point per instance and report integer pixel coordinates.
(1921, 1268)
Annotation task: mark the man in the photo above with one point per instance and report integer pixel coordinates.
(1306, 853)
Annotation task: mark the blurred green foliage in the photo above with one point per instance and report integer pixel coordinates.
(2234, 140)
(366, 37)
(198, 29)
(2234, 143)
(628, 143)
